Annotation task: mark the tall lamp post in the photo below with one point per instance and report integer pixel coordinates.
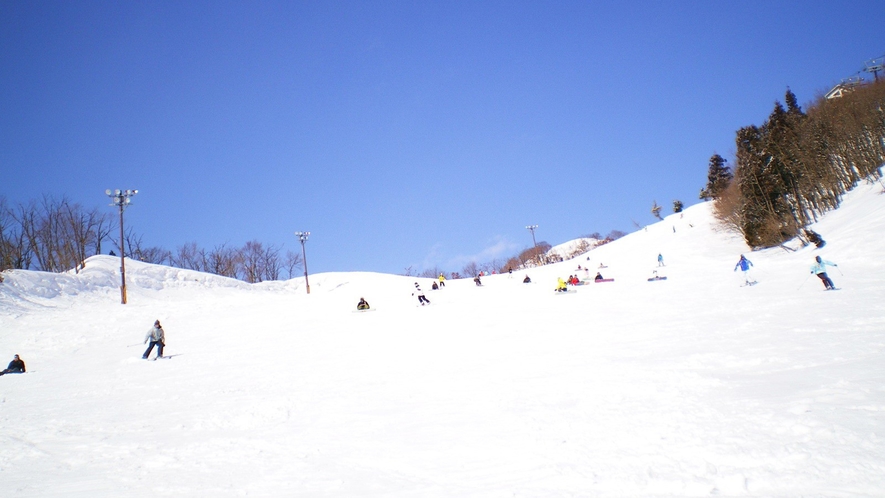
(532, 228)
(302, 236)
(122, 198)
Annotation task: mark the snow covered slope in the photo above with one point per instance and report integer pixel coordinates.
(693, 386)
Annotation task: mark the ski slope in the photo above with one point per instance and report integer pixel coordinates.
(693, 386)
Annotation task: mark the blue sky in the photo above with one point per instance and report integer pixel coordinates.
(401, 134)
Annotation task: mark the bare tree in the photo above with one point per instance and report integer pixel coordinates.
(273, 265)
(656, 210)
(190, 257)
(154, 255)
(224, 261)
(292, 261)
(471, 269)
(252, 262)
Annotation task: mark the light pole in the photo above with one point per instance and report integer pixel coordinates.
(122, 198)
(302, 236)
(532, 228)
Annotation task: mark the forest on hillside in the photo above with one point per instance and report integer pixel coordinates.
(798, 164)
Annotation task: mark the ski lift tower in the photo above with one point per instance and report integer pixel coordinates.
(874, 66)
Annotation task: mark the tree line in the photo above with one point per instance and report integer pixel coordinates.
(798, 164)
(527, 258)
(57, 235)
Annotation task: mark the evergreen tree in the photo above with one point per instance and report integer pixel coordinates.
(677, 206)
(719, 176)
(793, 108)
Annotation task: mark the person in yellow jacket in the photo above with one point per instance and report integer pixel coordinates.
(442, 280)
(561, 285)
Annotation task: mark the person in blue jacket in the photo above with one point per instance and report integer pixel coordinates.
(744, 264)
(820, 269)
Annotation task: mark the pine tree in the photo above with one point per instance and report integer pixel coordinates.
(677, 206)
(718, 178)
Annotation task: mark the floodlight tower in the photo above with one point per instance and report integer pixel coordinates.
(302, 236)
(532, 228)
(122, 199)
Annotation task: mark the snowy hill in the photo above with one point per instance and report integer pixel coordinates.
(693, 386)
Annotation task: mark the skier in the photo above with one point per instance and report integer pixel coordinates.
(157, 337)
(744, 264)
(442, 280)
(660, 260)
(820, 269)
(17, 365)
(363, 304)
(421, 299)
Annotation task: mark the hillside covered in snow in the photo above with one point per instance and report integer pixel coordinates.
(691, 386)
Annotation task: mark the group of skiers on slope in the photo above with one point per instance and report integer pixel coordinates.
(819, 268)
(744, 264)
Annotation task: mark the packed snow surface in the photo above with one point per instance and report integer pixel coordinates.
(693, 386)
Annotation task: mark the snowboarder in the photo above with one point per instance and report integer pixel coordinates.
(477, 281)
(660, 260)
(421, 299)
(820, 269)
(561, 285)
(599, 277)
(526, 280)
(442, 280)
(744, 264)
(17, 365)
(434, 286)
(363, 304)
(157, 337)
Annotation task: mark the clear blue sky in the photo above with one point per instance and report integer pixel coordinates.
(399, 133)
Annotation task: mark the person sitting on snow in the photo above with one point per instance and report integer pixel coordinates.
(560, 285)
(15, 366)
(363, 304)
(526, 280)
(599, 277)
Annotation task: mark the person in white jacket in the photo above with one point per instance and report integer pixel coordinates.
(157, 338)
(421, 299)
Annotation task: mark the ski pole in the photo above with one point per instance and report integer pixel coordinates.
(803, 282)
(840, 271)
(133, 345)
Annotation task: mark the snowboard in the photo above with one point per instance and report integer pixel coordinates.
(567, 291)
(606, 280)
(653, 279)
(364, 311)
